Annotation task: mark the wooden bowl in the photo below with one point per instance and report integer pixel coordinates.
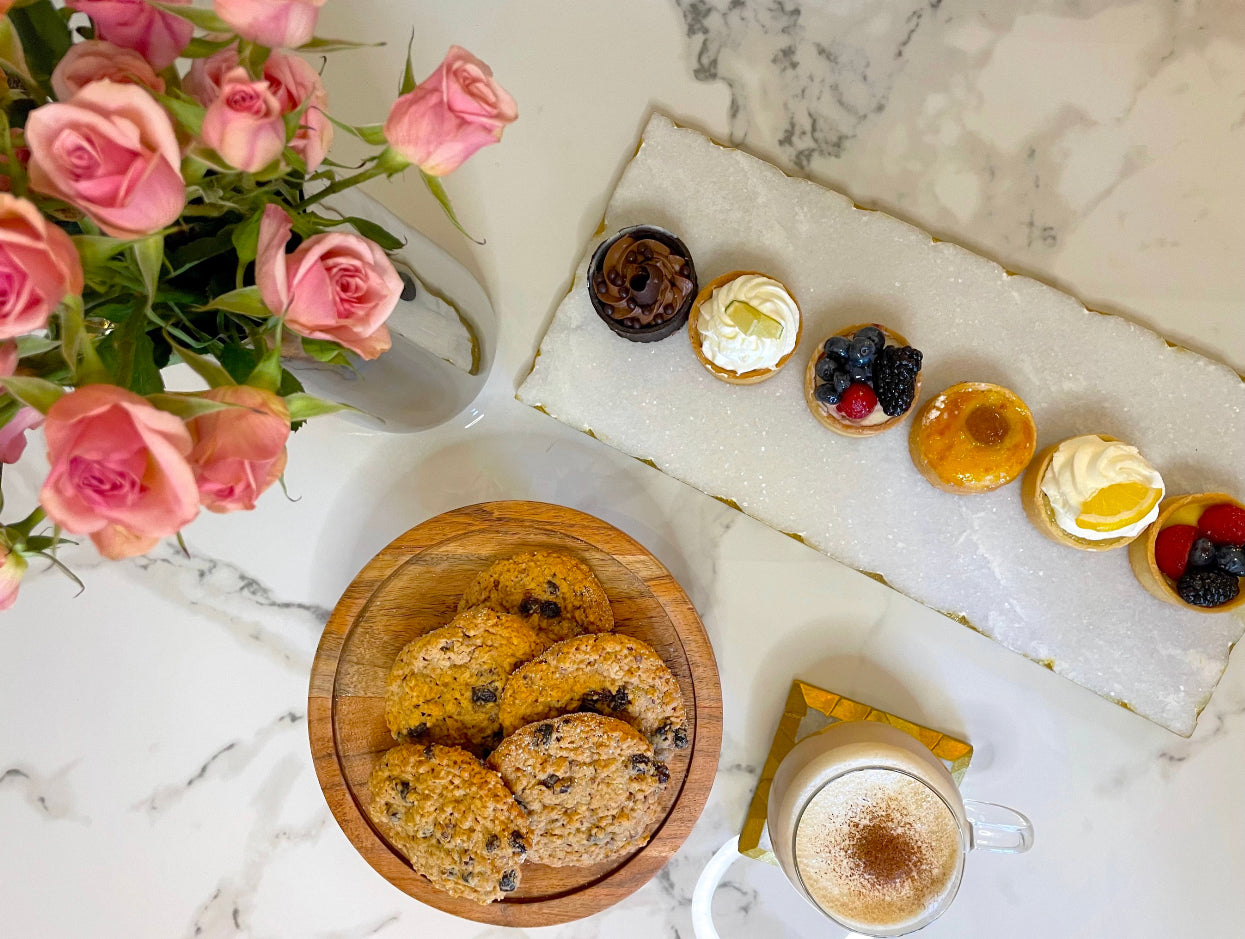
(1141, 553)
(413, 586)
(1037, 506)
(826, 415)
(693, 332)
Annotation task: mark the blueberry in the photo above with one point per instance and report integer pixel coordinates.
(1230, 559)
(836, 347)
(861, 374)
(826, 394)
(874, 335)
(841, 381)
(826, 367)
(861, 352)
(1202, 554)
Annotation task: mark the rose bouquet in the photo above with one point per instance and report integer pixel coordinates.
(151, 215)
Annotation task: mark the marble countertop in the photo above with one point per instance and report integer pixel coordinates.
(155, 778)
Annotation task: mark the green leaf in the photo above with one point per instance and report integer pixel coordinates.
(374, 232)
(204, 366)
(41, 543)
(129, 354)
(78, 347)
(267, 374)
(96, 250)
(324, 351)
(34, 345)
(12, 57)
(189, 114)
(408, 74)
(368, 133)
(438, 192)
(238, 360)
(317, 44)
(304, 406)
(45, 38)
(34, 392)
(253, 56)
(245, 300)
(186, 406)
(245, 238)
(201, 48)
(289, 383)
(206, 20)
(149, 255)
(200, 250)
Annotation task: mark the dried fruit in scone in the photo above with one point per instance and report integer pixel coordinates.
(605, 673)
(452, 817)
(590, 785)
(556, 593)
(445, 686)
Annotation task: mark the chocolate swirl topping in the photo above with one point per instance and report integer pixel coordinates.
(642, 282)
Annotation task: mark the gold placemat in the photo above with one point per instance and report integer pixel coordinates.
(810, 710)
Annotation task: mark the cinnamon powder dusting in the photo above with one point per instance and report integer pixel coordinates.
(883, 851)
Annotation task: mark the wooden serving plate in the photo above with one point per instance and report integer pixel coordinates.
(413, 586)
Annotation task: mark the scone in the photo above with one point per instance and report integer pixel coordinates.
(445, 687)
(452, 817)
(1091, 492)
(744, 327)
(974, 437)
(556, 593)
(607, 674)
(589, 784)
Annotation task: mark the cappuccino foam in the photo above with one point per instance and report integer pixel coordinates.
(877, 849)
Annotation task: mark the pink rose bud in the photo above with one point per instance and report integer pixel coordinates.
(38, 267)
(112, 152)
(450, 115)
(119, 470)
(13, 434)
(240, 451)
(335, 286)
(12, 570)
(277, 24)
(96, 60)
(157, 36)
(244, 123)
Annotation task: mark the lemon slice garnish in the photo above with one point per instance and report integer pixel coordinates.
(752, 322)
(1118, 506)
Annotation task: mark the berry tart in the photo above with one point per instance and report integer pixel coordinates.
(1193, 556)
(744, 327)
(974, 437)
(1092, 492)
(863, 380)
(642, 283)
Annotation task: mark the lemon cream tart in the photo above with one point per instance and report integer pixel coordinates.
(744, 327)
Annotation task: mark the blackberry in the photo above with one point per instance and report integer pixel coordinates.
(894, 378)
(1207, 588)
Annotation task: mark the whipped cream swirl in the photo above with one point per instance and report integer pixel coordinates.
(1080, 467)
(721, 340)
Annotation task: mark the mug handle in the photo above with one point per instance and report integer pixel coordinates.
(997, 828)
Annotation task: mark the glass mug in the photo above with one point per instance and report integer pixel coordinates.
(869, 827)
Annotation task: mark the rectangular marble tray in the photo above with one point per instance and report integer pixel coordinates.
(975, 558)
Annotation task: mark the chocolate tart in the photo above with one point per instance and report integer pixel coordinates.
(647, 281)
(827, 415)
(1146, 568)
(736, 378)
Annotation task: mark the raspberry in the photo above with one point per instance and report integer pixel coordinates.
(1171, 549)
(858, 402)
(1223, 523)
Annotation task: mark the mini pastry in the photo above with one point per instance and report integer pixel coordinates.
(642, 283)
(1193, 556)
(862, 380)
(1093, 493)
(974, 437)
(744, 326)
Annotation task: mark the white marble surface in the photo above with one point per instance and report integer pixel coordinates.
(154, 773)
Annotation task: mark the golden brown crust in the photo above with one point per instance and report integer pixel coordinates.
(1146, 568)
(1037, 507)
(693, 332)
(827, 415)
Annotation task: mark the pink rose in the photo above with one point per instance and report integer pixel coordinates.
(93, 60)
(119, 470)
(13, 434)
(277, 24)
(111, 151)
(157, 36)
(244, 123)
(239, 452)
(12, 570)
(450, 115)
(38, 266)
(335, 286)
(8, 358)
(290, 79)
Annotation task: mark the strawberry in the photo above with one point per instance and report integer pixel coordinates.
(1223, 523)
(1171, 549)
(858, 402)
